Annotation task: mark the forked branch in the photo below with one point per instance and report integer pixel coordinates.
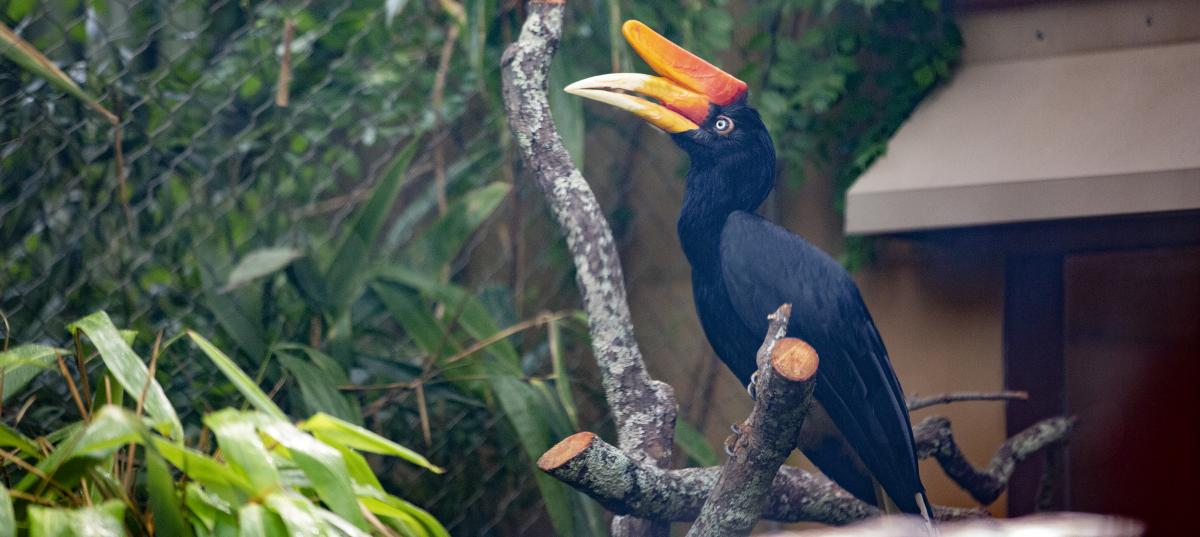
(784, 384)
(644, 409)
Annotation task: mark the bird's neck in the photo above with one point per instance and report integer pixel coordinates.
(701, 220)
(713, 192)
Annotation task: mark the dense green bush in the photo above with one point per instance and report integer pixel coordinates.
(125, 469)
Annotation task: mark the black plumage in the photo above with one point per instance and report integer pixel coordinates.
(744, 267)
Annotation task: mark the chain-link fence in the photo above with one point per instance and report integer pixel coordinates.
(251, 125)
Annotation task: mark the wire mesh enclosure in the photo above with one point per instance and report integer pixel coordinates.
(271, 128)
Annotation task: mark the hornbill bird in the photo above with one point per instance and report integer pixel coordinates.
(744, 267)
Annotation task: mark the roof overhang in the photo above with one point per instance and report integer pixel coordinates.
(1099, 133)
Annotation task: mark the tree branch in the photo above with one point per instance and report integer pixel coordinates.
(784, 385)
(934, 439)
(917, 403)
(644, 409)
(626, 487)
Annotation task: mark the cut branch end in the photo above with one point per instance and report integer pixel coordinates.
(794, 359)
(564, 451)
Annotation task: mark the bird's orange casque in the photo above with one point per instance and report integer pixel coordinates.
(687, 87)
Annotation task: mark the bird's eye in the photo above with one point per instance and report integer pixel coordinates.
(723, 125)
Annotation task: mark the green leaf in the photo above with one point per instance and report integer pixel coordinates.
(319, 381)
(298, 514)
(442, 241)
(164, 498)
(324, 467)
(10, 437)
(238, 323)
(129, 370)
(566, 109)
(472, 315)
(25, 55)
(334, 431)
(356, 465)
(8, 520)
(255, 520)
(225, 484)
(240, 380)
(391, 506)
(23, 363)
(259, 263)
(417, 322)
(562, 380)
(111, 427)
(104, 520)
(237, 435)
(207, 509)
(694, 445)
(348, 266)
(521, 404)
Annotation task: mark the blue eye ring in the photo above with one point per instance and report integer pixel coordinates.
(723, 125)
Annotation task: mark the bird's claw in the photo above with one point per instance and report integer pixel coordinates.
(732, 439)
(751, 388)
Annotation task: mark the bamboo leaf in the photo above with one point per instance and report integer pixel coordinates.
(319, 378)
(240, 380)
(443, 240)
(360, 472)
(111, 427)
(8, 520)
(337, 432)
(224, 483)
(324, 467)
(25, 55)
(129, 370)
(566, 110)
(562, 379)
(520, 403)
(104, 520)
(418, 323)
(10, 437)
(237, 435)
(255, 520)
(24, 363)
(391, 506)
(473, 317)
(260, 263)
(348, 266)
(164, 498)
(208, 510)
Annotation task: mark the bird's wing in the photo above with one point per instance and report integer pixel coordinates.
(763, 266)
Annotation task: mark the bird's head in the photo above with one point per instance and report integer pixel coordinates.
(703, 108)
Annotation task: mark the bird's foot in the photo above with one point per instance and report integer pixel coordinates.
(751, 388)
(731, 440)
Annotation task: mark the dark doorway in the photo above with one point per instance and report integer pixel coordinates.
(1131, 351)
(1112, 337)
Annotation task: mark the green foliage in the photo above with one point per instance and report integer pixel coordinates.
(839, 77)
(270, 477)
(309, 244)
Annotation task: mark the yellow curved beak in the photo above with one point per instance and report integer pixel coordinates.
(600, 88)
(687, 89)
